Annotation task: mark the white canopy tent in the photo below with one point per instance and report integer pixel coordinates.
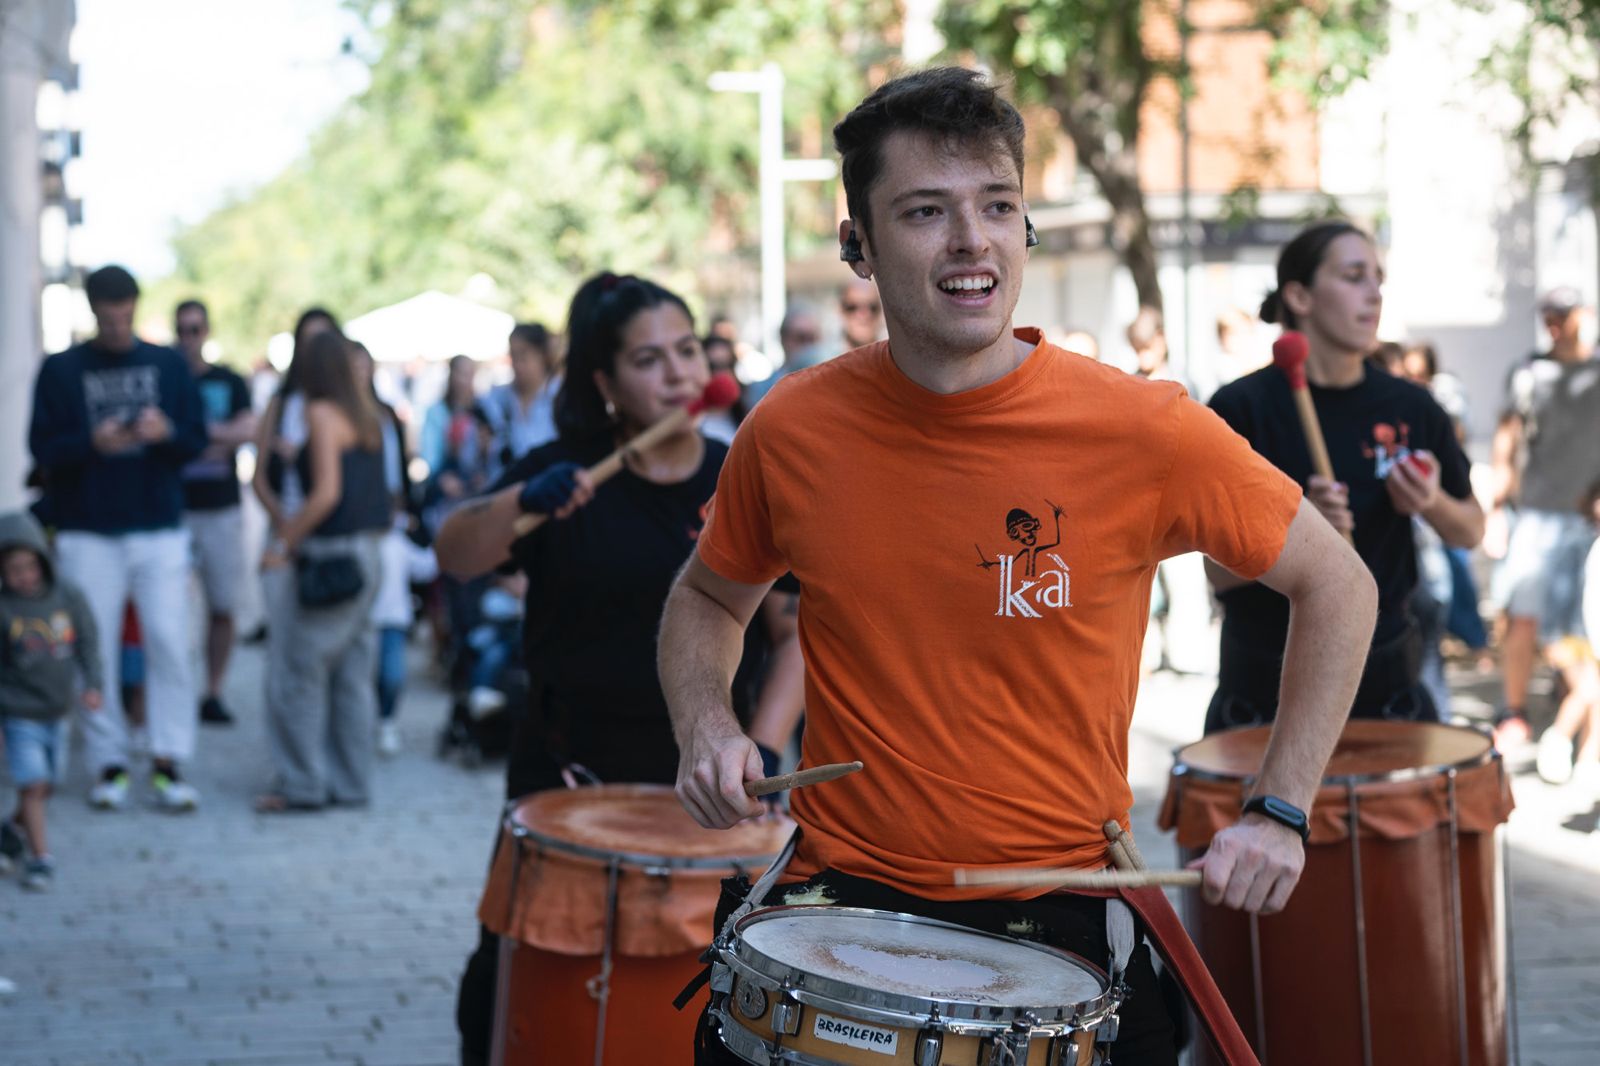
(433, 326)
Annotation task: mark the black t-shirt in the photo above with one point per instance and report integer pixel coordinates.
(210, 484)
(1368, 428)
(597, 583)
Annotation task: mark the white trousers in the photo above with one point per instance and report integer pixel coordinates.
(152, 570)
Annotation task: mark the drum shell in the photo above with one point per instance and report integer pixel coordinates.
(551, 1017)
(1310, 977)
(1077, 1049)
(547, 899)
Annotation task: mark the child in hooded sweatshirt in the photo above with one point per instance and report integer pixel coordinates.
(47, 637)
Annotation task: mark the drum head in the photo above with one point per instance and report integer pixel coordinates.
(1367, 751)
(883, 952)
(642, 825)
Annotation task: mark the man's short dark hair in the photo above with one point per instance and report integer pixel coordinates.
(110, 285)
(191, 305)
(957, 105)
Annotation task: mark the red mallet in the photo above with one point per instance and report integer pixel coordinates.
(721, 391)
(1289, 353)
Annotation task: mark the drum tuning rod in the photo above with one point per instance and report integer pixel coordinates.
(800, 778)
(1080, 878)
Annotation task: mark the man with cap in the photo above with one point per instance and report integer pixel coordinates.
(1546, 455)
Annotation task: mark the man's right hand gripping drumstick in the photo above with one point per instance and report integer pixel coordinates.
(702, 639)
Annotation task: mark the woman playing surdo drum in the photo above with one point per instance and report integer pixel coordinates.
(1395, 460)
(600, 566)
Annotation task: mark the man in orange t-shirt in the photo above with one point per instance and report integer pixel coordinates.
(975, 516)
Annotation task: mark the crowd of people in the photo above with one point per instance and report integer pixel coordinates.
(549, 637)
(137, 471)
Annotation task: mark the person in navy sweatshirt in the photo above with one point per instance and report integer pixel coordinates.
(114, 421)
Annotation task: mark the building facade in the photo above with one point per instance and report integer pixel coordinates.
(37, 143)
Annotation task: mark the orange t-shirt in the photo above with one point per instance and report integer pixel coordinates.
(975, 576)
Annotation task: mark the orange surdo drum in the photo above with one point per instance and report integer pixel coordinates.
(603, 897)
(1392, 948)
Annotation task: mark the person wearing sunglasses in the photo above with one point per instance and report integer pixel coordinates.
(211, 498)
(860, 313)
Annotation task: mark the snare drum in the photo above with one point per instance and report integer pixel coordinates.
(1392, 948)
(603, 898)
(844, 986)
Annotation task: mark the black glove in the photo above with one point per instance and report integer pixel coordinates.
(546, 493)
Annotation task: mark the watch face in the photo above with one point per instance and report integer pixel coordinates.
(1287, 812)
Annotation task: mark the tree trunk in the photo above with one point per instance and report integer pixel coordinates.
(1112, 160)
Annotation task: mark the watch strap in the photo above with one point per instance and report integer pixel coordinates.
(1281, 811)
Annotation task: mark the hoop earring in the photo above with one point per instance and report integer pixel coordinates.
(611, 410)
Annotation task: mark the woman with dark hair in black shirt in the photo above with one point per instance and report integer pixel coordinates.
(599, 570)
(1395, 460)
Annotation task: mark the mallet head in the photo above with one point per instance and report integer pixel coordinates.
(1289, 354)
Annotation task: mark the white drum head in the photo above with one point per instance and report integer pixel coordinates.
(909, 957)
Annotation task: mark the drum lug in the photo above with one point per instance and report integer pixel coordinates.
(721, 978)
(1008, 1050)
(930, 1048)
(786, 1015)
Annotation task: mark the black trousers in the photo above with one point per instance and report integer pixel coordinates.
(1147, 1033)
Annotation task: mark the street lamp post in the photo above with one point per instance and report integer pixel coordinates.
(774, 170)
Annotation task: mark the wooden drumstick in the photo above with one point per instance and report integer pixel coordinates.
(800, 778)
(1023, 877)
(721, 391)
(1289, 354)
(1124, 852)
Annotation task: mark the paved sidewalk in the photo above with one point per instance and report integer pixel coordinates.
(227, 937)
(232, 938)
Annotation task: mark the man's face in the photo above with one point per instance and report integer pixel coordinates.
(861, 312)
(1563, 325)
(114, 323)
(527, 364)
(947, 244)
(21, 572)
(801, 333)
(193, 329)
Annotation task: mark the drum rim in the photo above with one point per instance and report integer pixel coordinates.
(1401, 776)
(869, 1004)
(644, 860)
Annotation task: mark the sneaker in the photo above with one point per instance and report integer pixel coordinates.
(484, 701)
(1554, 761)
(388, 738)
(212, 712)
(111, 793)
(11, 847)
(173, 794)
(38, 875)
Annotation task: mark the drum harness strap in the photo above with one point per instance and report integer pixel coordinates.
(752, 900)
(1119, 937)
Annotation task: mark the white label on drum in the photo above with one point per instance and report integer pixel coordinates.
(854, 1034)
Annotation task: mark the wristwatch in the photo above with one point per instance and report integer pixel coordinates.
(1282, 812)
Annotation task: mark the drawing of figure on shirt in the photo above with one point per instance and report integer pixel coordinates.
(1023, 529)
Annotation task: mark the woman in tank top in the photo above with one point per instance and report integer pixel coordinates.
(321, 711)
